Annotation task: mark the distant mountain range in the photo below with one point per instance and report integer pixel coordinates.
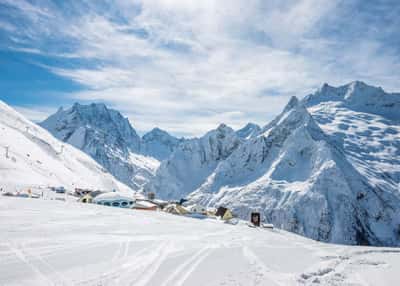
(110, 139)
(327, 167)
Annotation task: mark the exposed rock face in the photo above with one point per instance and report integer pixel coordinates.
(159, 144)
(192, 162)
(106, 136)
(249, 131)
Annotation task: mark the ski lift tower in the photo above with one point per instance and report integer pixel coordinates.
(7, 151)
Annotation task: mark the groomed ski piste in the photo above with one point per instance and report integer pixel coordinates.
(50, 242)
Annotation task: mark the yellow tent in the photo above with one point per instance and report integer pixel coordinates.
(175, 209)
(227, 215)
(88, 199)
(181, 209)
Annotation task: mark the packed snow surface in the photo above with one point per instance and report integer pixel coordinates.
(66, 243)
(35, 159)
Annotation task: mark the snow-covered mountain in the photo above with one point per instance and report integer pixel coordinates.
(159, 144)
(192, 162)
(107, 137)
(327, 167)
(360, 97)
(249, 131)
(365, 121)
(301, 181)
(36, 159)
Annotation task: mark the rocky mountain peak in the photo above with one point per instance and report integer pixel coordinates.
(248, 131)
(358, 96)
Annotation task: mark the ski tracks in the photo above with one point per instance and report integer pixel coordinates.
(122, 250)
(182, 273)
(38, 265)
(151, 263)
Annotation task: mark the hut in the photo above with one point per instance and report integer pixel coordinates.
(160, 203)
(224, 213)
(175, 209)
(151, 196)
(197, 209)
(81, 192)
(114, 199)
(145, 205)
(87, 199)
(255, 218)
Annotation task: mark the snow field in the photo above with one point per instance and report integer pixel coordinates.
(66, 243)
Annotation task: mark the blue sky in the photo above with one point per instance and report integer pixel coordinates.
(186, 66)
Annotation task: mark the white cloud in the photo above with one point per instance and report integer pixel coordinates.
(187, 65)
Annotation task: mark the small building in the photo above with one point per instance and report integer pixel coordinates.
(87, 199)
(255, 218)
(94, 194)
(114, 199)
(175, 209)
(224, 213)
(160, 203)
(151, 196)
(197, 209)
(145, 205)
(81, 192)
(60, 190)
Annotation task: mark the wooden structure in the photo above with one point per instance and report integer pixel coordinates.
(224, 213)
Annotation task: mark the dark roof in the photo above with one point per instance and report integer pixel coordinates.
(221, 211)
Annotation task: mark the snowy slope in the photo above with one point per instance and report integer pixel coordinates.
(364, 120)
(55, 243)
(107, 137)
(159, 144)
(301, 181)
(360, 97)
(249, 131)
(37, 159)
(192, 162)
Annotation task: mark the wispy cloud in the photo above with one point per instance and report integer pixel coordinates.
(186, 66)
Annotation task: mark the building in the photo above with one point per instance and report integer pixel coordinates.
(87, 199)
(224, 213)
(114, 199)
(197, 209)
(145, 205)
(175, 209)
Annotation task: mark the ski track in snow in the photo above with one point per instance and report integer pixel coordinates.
(183, 271)
(94, 245)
